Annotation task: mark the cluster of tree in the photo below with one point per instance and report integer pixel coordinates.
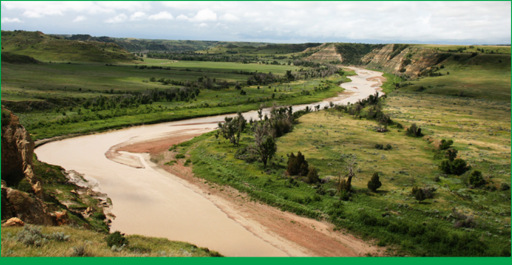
(192, 56)
(452, 165)
(262, 79)
(152, 67)
(203, 82)
(318, 71)
(414, 131)
(298, 166)
(265, 130)
(369, 108)
(134, 99)
(232, 128)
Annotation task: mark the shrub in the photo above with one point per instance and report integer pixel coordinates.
(414, 131)
(445, 144)
(79, 251)
(476, 179)
(426, 193)
(505, 186)
(58, 236)
(297, 165)
(374, 182)
(459, 166)
(31, 236)
(116, 239)
(313, 176)
(179, 156)
(249, 154)
(418, 194)
(383, 147)
(344, 195)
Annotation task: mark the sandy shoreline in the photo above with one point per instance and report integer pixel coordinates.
(170, 203)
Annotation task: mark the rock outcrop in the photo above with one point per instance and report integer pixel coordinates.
(25, 206)
(324, 53)
(402, 59)
(13, 222)
(17, 153)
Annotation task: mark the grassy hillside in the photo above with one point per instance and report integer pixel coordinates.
(55, 99)
(67, 241)
(50, 48)
(470, 106)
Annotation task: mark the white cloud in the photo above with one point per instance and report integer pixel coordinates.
(38, 9)
(182, 17)
(10, 20)
(117, 19)
(137, 15)
(79, 19)
(229, 17)
(161, 16)
(485, 22)
(205, 15)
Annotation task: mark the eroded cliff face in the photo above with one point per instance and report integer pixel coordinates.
(26, 207)
(401, 59)
(23, 196)
(324, 53)
(17, 153)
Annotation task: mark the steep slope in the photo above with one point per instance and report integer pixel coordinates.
(324, 53)
(46, 48)
(38, 193)
(403, 59)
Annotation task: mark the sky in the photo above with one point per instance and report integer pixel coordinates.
(437, 22)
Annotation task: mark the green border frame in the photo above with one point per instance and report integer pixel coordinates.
(249, 260)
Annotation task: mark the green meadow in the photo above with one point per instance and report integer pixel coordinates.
(470, 105)
(49, 97)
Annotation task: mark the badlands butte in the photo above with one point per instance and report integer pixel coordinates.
(121, 147)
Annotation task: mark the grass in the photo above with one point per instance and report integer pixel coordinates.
(48, 102)
(479, 125)
(86, 243)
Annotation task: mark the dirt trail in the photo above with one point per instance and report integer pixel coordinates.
(169, 202)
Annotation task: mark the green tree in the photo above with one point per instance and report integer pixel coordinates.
(267, 149)
(232, 128)
(419, 195)
(445, 144)
(414, 131)
(312, 176)
(374, 182)
(476, 179)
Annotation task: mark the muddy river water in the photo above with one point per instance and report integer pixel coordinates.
(152, 202)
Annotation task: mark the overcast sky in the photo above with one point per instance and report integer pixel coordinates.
(289, 22)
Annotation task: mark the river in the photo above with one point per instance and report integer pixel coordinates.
(152, 202)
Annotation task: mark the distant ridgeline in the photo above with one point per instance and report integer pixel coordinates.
(46, 48)
(406, 60)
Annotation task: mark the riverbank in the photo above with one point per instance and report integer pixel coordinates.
(149, 201)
